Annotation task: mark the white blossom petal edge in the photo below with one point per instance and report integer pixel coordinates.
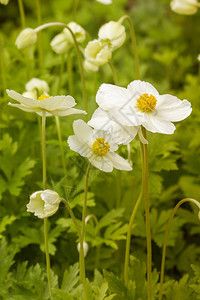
(43, 203)
(98, 146)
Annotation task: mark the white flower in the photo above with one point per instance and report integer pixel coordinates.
(97, 54)
(184, 7)
(141, 104)
(60, 44)
(57, 105)
(90, 67)
(26, 38)
(98, 146)
(63, 41)
(112, 33)
(85, 248)
(106, 2)
(43, 203)
(4, 2)
(37, 84)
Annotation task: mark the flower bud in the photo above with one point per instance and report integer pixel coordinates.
(198, 57)
(31, 94)
(37, 84)
(26, 38)
(184, 7)
(43, 203)
(85, 248)
(78, 31)
(112, 33)
(4, 2)
(60, 44)
(96, 53)
(90, 67)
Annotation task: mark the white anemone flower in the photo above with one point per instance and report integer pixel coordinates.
(96, 53)
(106, 2)
(57, 105)
(26, 38)
(41, 86)
(98, 146)
(43, 203)
(141, 104)
(184, 7)
(112, 33)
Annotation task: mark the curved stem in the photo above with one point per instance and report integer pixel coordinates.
(82, 259)
(44, 188)
(72, 216)
(133, 38)
(148, 230)
(165, 239)
(114, 73)
(70, 73)
(78, 54)
(39, 21)
(22, 14)
(128, 238)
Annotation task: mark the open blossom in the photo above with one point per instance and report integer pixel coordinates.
(63, 41)
(184, 7)
(98, 146)
(97, 54)
(113, 34)
(57, 105)
(26, 38)
(43, 203)
(141, 104)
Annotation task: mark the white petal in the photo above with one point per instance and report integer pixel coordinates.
(66, 112)
(102, 163)
(108, 138)
(57, 102)
(49, 210)
(83, 131)
(79, 146)
(137, 87)
(154, 124)
(125, 117)
(172, 109)
(118, 161)
(50, 197)
(24, 107)
(24, 100)
(109, 96)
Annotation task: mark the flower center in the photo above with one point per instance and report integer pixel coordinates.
(42, 97)
(100, 147)
(146, 103)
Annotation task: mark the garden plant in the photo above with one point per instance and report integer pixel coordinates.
(99, 150)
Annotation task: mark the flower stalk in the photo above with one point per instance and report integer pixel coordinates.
(165, 239)
(39, 21)
(45, 219)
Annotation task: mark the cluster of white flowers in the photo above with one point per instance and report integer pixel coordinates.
(98, 52)
(184, 7)
(63, 41)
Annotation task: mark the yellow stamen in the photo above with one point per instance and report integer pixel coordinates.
(146, 103)
(42, 97)
(100, 147)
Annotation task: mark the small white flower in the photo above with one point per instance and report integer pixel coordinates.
(85, 248)
(4, 2)
(26, 38)
(60, 44)
(184, 7)
(43, 203)
(90, 67)
(106, 2)
(98, 146)
(77, 30)
(141, 104)
(57, 105)
(96, 53)
(112, 33)
(41, 86)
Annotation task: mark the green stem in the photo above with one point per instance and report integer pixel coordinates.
(148, 229)
(44, 188)
(3, 72)
(61, 73)
(133, 38)
(128, 238)
(165, 239)
(70, 73)
(72, 216)
(116, 82)
(61, 144)
(76, 3)
(78, 54)
(39, 22)
(129, 153)
(82, 259)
